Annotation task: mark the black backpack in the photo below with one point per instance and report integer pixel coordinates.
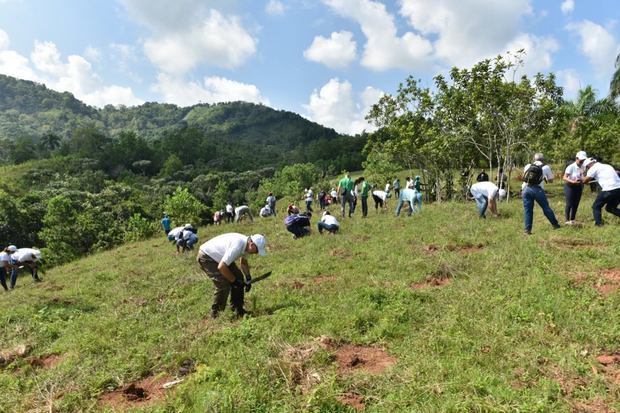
(533, 175)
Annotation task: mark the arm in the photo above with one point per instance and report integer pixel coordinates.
(226, 272)
(566, 179)
(245, 268)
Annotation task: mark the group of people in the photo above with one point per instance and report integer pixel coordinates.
(12, 259)
(535, 174)
(183, 237)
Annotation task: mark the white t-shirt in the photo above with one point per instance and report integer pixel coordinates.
(229, 208)
(573, 171)
(175, 231)
(485, 188)
(387, 187)
(409, 184)
(334, 194)
(309, 195)
(605, 175)
(186, 234)
(4, 257)
(380, 194)
(26, 254)
(241, 210)
(330, 220)
(546, 172)
(226, 247)
(265, 211)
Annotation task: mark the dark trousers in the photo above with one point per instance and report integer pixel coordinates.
(531, 194)
(230, 216)
(364, 206)
(610, 199)
(396, 192)
(3, 278)
(329, 228)
(378, 202)
(223, 287)
(297, 230)
(572, 194)
(347, 199)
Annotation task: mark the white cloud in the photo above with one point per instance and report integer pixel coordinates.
(336, 52)
(570, 81)
(187, 33)
(275, 8)
(467, 30)
(567, 6)
(213, 89)
(4, 40)
(538, 52)
(335, 105)
(597, 44)
(74, 75)
(384, 49)
(92, 53)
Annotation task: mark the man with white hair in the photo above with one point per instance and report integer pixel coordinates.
(217, 259)
(609, 181)
(534, 176)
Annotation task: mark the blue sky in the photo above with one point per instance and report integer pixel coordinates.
(328, 60)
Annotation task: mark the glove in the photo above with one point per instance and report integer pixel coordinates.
(248, 284)
(238, 283)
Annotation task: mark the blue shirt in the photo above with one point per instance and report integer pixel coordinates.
(166, 223)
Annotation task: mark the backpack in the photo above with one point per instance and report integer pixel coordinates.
(533, 175)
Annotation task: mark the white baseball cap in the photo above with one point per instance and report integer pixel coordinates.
(259, 241)
(581, 155)
(502, 193)
(11, 248)
(588, 162)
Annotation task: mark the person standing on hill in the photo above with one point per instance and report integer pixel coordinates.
(217, 257)
(230, 213)
(165, 222)
(345, 188)
(396, 186)
(573, 187)
(485, 194)
(6, 267)
(271, 201)
(609, 181)
(482, 177)
(309, 196)
(322, 199)
(534, 176)
(365, 189)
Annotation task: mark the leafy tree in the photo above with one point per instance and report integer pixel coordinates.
(183, 207)
(172, 165)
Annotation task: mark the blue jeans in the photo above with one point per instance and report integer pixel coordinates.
(612, 199)
(347, 198)
(328, 227)
(482, 202)
(297, 230)
(536, 193)
(400, 206)
(309, 206)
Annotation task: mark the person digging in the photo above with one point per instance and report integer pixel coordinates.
(217, 257)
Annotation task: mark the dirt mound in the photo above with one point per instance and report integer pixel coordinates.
(45, 362)
(440, 277)
(145, 392)
(371, 360)
(609, 281)
(297, 285)
(465, 248)
(610, 365)
(431, 248)
(594, 406)
(341, 253)
(352, 399)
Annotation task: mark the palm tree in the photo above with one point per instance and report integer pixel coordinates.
(50, 141)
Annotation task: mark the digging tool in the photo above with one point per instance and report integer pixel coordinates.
(260, 277)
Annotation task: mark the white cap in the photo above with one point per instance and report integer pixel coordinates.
(581, 155)
(259, 241)
(186, 226)
(502, 193)
(11, 248)
(588, 162)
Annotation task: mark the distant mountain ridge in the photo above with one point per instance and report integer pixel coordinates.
(31, 109)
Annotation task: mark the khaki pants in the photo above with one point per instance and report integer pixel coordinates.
(222, 286)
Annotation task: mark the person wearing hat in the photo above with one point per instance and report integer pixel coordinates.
(534, 176)
(187, 238)
(24, 257)
(6, 267)
(328, 223)
(165, 222)
(217, 257)
(573, 187)
(485, 194)
(609, 181)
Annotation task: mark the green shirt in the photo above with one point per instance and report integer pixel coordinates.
(365, 189)
(345, 183)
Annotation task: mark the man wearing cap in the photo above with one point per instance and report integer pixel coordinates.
(573, 187)
(217, 259)
(534, 177)
(609, 181)
(485, 194)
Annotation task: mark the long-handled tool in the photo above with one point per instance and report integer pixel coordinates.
(260, 277)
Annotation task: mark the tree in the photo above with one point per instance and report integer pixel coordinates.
(183, 207)
(614, 85)
(50, 141)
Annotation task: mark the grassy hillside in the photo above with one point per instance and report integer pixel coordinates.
(472, 316)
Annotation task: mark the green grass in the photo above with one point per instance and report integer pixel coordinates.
(512, 331)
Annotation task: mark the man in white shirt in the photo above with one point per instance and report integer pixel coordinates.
(230, 213)
(6, 267)
(609, 181)
(380, 198)
(328, 223)
(309, 197)
(24, 257)
(485, 194)
(573, 187)
(217, 259)
(534, 176)
(243, 211)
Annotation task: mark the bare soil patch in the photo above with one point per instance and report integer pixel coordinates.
(323, 278)
(371, 360)
(353, 399)
(610, 366)
(341, 253)
(573, 243)
(45, 362)
(431, 248)
(608, 282)
(8, 356)
(440, 277)
(466, 248)
(297, 285)
(594, 406)
(145, 392)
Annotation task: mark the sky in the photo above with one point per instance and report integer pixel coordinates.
(327, 60)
